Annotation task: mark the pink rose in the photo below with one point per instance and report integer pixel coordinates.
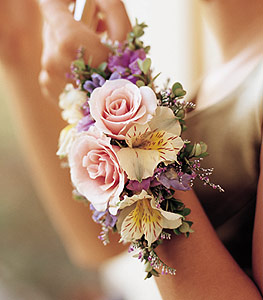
(119, 104)
(95, 169)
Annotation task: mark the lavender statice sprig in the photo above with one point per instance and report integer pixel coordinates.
(107, 222)
(151, 259)
(203, 174)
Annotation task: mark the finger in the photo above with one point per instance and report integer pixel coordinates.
(51, 59)
(55, 12)
(54, 66)
(70, 35)
(116, 18)
(86, 12)
(51, 85)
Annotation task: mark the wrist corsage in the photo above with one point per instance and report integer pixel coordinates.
(125, 151)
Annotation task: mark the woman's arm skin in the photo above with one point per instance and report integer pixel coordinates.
(63, 36)
(39, 123)
(205, 269)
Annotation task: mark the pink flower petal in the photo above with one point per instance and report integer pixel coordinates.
(95, 169)
(119, 104)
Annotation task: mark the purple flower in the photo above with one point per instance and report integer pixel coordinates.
(126, 63)
(137, 186)
(110, 220)
(85, 123)
(138, 54)
(97, 81)
(173, 182)
(85, 108)
(131, 78)
(99, 216)
(115, 75)
(154, 182)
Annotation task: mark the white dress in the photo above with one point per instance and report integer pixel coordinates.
(123, 279)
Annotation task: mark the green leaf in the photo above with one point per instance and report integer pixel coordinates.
(139, 62)
(146, 65)
(176, 86)
(189, 148)
(138, 76)
(147, 49)
(190, 223)
(80, 198)
(176, 201)
(102, 67)
(182, 122)
(199, 150)
(114, 229)
(149, 275)
(203, 147)
(131, 46)
(180, 114)
(148, 267)
(79, 63)
(177, 231)
(156, 77)
(202, 155)
(140, 83)
(139, 43)
(192, 153)
(186, 211)
(184, 227)
(155, 273)
(138, 31)
(179, 92)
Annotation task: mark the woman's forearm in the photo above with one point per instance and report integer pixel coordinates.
(205, 269)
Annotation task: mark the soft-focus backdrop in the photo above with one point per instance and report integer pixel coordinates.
(33, 263)
(182, 46)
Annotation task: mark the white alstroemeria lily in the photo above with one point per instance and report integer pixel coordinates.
(139, 215)
(71, 101)
(66, 138)
(151, 143)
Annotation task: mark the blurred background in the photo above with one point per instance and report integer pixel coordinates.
(33, 262)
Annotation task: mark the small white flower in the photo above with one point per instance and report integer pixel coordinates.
(71, 101)
(65, 140)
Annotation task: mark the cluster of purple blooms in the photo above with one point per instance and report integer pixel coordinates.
(124, 64)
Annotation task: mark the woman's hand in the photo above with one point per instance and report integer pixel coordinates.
(62, 36)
